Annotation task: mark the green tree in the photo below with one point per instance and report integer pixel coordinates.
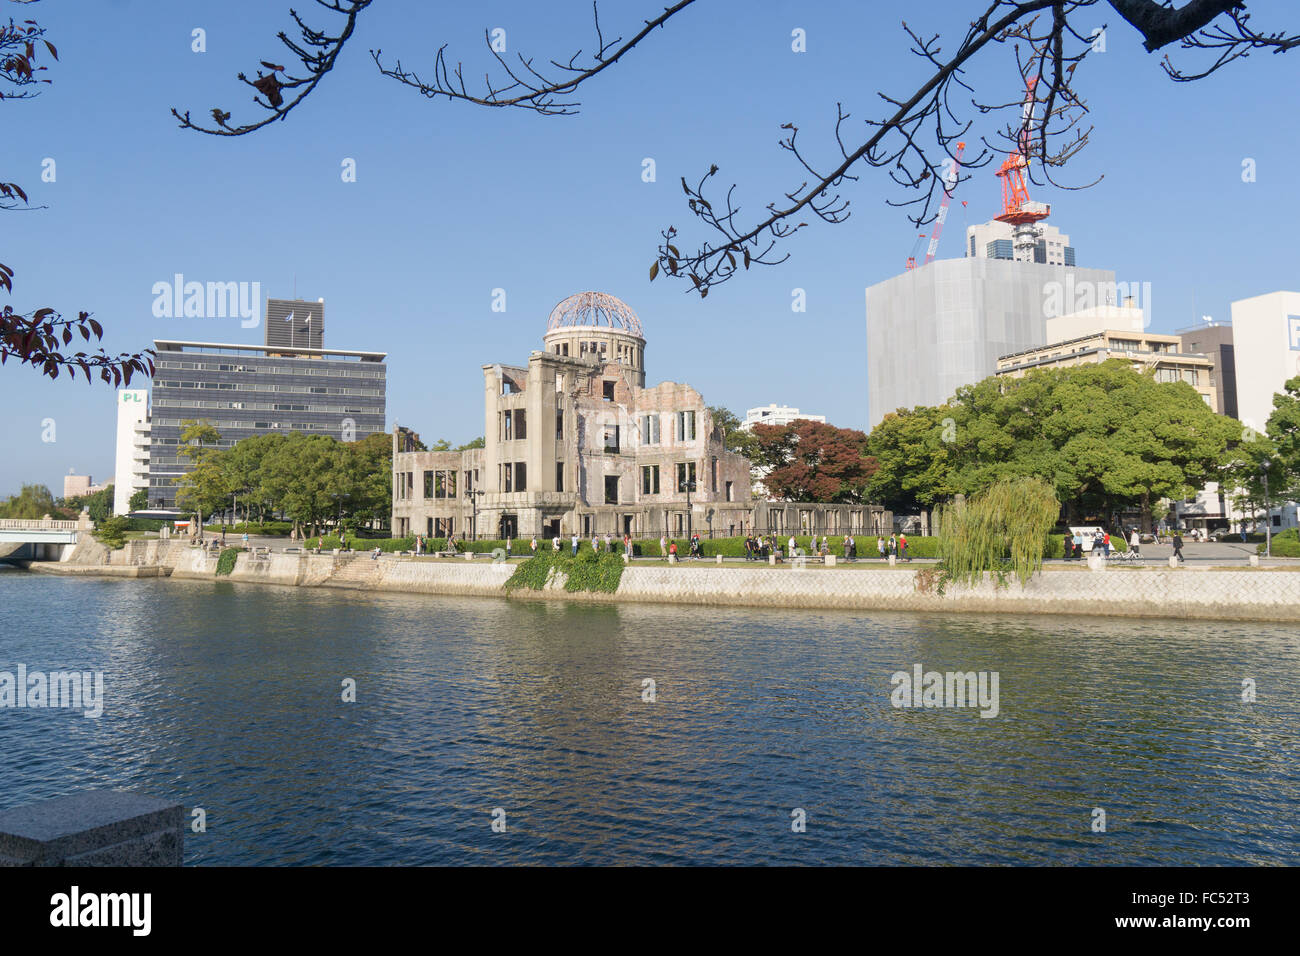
(139, 500)
(1004, 527)
(99, 505)
(470, 445)
(32, 501)
(1284, 432)
(243, 463)
(1104, 436)
(734, 438)
(305, 476)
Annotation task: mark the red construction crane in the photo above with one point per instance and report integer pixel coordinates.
(942, 216)
(1018, 209)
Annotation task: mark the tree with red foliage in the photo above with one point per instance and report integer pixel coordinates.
(36, 339)
(813, 461)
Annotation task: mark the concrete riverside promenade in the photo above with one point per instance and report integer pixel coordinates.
(95, 828)
(1246, 594)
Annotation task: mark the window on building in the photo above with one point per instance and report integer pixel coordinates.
(469, 482)
(521, 476)
(428, 484)
(611, 439)
(508, 386)
(607, 390)
(713, 475)
(650, 429)
(506, 477)
(559, 476)
(685, 426)
(729, 498)
(410, 484)
(521, 424)
(444, 484)
(505, 426)
(685, 475)
(559, 423)
(649, 479)
(611, 489)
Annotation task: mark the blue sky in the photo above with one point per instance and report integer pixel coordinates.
(452, 201)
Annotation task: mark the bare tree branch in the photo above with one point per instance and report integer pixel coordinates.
(1232, 41)
(527, 87)
(317, 51)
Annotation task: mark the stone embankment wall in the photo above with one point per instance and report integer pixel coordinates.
(1214, 594)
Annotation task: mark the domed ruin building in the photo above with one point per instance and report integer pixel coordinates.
(575, 441)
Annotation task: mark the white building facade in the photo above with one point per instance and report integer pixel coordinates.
(131, 465)
(1266, 351)
(940, 326)
(776, 415)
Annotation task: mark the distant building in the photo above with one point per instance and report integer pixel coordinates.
(1216, 342)
(943, 325)
(78, 486)
(995, 240)
(1266, 352)
(575, 442)
(131, 467)
(246, 390)
(1146, 351)
(776, 415)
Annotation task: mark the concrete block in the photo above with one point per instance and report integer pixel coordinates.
(1254, 560)
(94, 828)
(893, 560)
(1173, 561)
(771, 559)
(672, 559)
(830, 560)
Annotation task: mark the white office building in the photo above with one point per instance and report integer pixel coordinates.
(943, 325)
(1266, 352)
(996, 240)
(131, 469)
(776, 415)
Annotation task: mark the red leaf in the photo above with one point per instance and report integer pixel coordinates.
(53, 52)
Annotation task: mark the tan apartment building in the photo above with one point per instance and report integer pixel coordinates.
(1147, 351)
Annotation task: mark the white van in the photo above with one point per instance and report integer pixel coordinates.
(1089, 535)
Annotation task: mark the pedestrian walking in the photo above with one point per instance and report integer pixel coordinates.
(575, 544)
(1178, 547)
(627, 544)
(555, 544)
(790, 546)
(609, 542)
(1135, 542)
(663, 547)
(902, 547)
(533, 544)
(672, 550)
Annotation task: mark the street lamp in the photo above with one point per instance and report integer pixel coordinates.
(1268, 518)
(473, 521)
(689, 485)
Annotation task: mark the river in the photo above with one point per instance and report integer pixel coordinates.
(229, 697)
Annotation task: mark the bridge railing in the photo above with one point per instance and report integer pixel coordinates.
(36, 524)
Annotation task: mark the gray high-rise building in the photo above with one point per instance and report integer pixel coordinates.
(943, 325)
(245, 390)
(1216, 342)
(295, 323)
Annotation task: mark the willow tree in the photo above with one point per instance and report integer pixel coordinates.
(1002, 528)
